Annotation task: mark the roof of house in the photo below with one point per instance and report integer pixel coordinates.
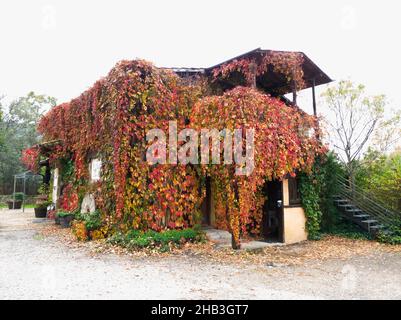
(270, 81)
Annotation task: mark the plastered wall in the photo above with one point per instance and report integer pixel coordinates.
(294, 219)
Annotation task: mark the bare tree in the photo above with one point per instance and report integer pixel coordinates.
(358, 121)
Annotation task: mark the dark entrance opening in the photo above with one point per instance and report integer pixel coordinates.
(272, 222)
(207, 204)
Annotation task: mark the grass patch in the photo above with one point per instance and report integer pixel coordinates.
(135, 239)
(27, 206)
(38, 237)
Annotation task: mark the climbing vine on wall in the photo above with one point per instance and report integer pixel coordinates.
(69, 201)
(289, 64)
(110, 120)
(312, 187)
(318, 189)
(282, 145)
(30, 158)
(310, 192)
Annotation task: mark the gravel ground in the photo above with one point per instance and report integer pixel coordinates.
(37, 267)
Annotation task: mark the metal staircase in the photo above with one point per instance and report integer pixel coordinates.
(363, 209)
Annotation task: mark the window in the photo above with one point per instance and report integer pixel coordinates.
(95, 168)
(293, 191)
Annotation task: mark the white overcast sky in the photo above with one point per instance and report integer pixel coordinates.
(60, 48)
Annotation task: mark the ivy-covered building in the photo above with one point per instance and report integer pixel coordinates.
(96, 146)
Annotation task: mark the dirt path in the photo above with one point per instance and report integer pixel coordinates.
(33, 266)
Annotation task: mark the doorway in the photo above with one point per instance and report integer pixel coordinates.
(272, 221)
(206, 206)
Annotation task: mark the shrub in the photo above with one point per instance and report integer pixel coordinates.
(18, 196)
(92, 220)
(135, 239)
(43, 205)
(331, 168)
(96, 235)
(317, 189)
(392, 235)
(63, 214)
(117, 238)
(380, 176)
(89, 226)
(79, 230)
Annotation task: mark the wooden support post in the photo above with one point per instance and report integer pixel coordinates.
(314, 97)
(294, 89)
(15, 184)
(47, 176)
(294, 95)
(252, 68)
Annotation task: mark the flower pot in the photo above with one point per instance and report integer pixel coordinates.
(40, 212)
(65, 222)
(14, 204)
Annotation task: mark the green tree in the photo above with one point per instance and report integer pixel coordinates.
(18, 130)
(380, 175)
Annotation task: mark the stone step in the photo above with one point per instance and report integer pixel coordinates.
(353, 210)
(361, 216)
(377, 227)
(369, 221)
(346, 205)
(358, 216)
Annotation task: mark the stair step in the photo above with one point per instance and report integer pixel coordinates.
(341, 200)
(369, 221)
(361, 216)
(346, 205)
(379, 226)
(353, 210)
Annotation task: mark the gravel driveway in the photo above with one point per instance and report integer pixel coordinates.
(36, 267)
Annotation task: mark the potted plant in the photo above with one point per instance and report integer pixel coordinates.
(41, 209)
(64, 218)
(16, 201)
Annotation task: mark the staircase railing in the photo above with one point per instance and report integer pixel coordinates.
(366, 202)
